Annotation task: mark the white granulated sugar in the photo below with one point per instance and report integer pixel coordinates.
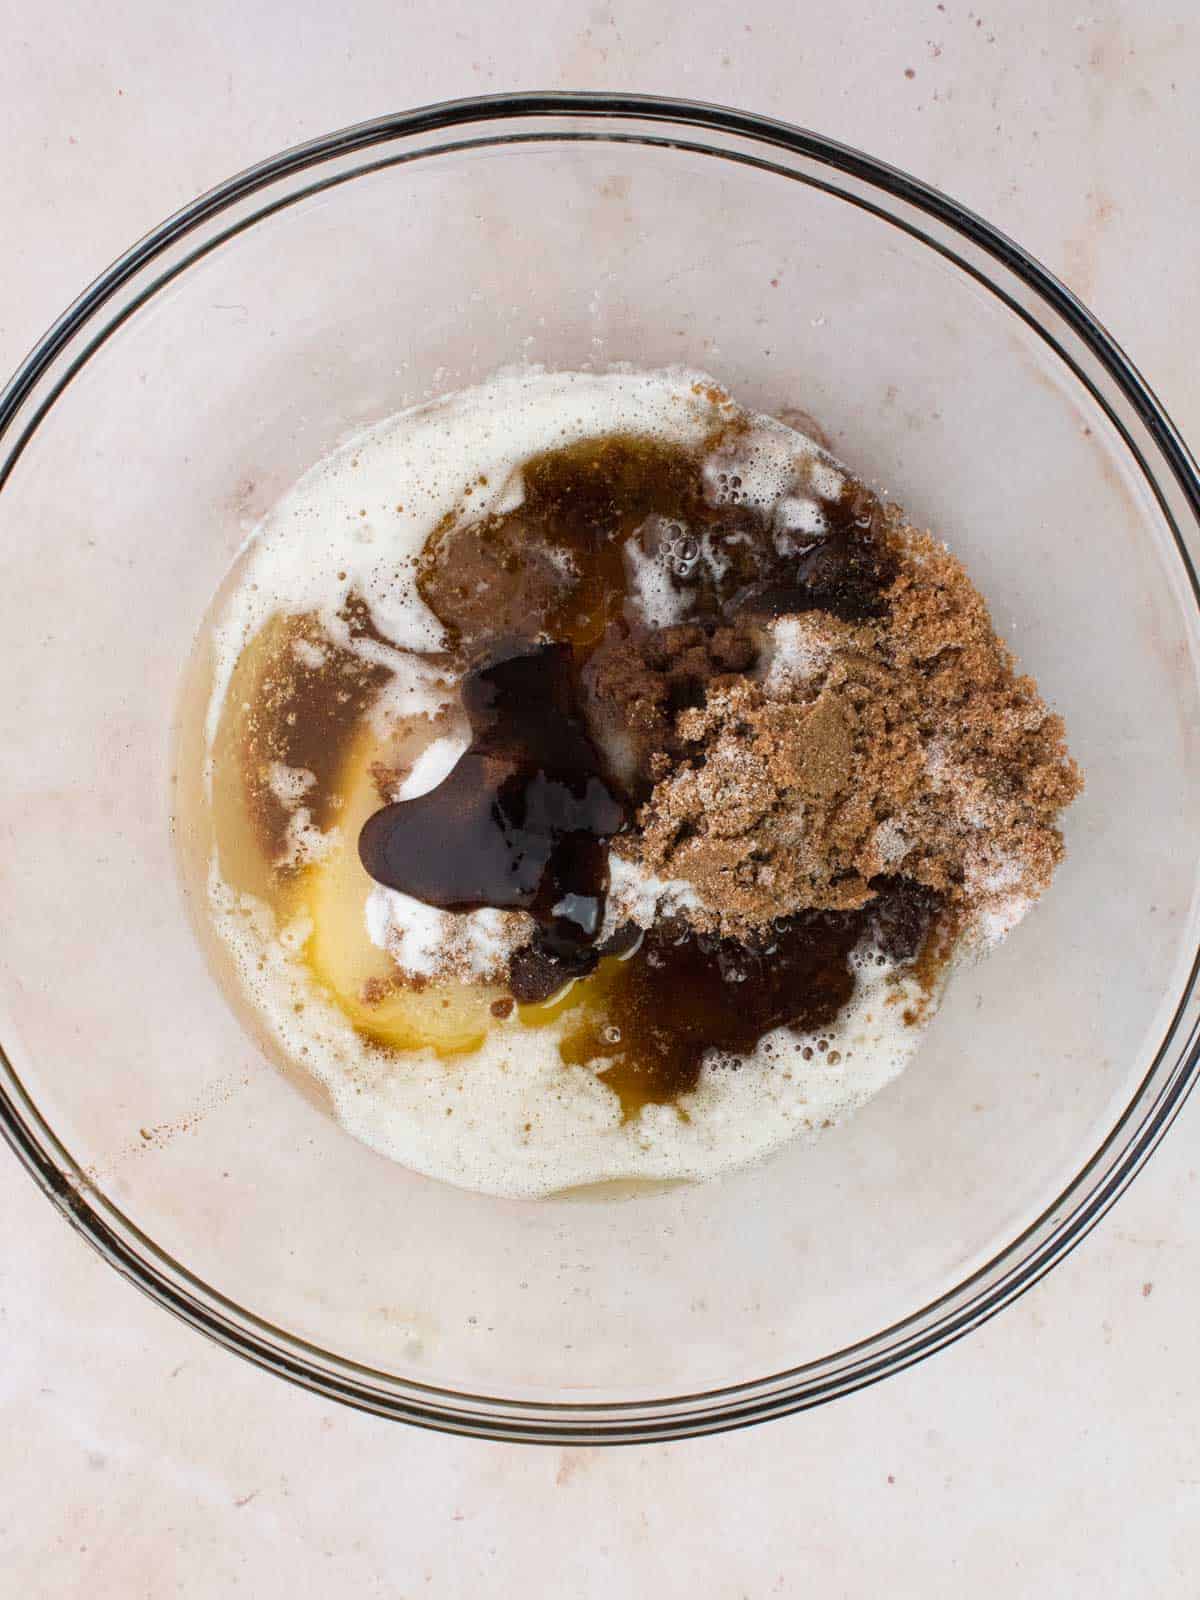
(891, 844)
(997, 875)
(436, 762)
(411, 932)
(938, 765)
(997, 919)
(636, 895)
(796, 653)
(490, 936)
(991, 881)
(425, 942)
(967, 793)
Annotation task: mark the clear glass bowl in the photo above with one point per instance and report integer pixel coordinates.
(342, 280)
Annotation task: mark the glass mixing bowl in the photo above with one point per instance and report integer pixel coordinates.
(235, 345)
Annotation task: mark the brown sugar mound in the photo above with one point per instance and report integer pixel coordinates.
(792, 762)
(637, 690)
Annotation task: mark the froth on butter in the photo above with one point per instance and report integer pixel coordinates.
(510, 1119)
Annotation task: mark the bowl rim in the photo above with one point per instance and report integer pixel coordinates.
(1010, 1270)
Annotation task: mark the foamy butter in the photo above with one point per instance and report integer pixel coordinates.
(510, 1118)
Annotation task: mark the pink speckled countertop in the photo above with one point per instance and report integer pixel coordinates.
(1055, 1452)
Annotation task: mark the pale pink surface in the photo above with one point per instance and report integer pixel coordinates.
(1055, 1451)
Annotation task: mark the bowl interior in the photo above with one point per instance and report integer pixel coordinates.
(412, 278)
